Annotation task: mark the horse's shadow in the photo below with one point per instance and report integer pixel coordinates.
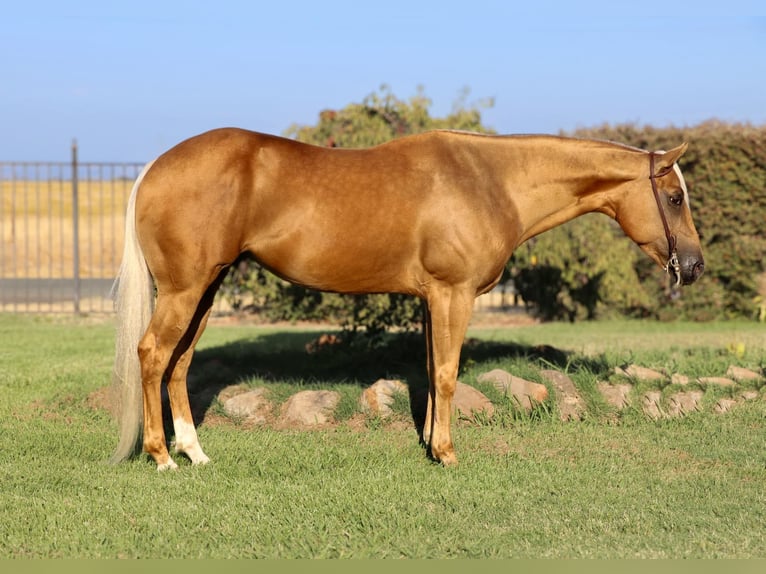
(299, 357)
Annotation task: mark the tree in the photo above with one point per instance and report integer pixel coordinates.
(380, 117)
(581, 270)
(725, 171)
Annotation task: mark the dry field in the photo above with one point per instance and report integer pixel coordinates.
(37, 228)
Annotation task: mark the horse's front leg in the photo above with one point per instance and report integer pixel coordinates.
(429, 420)
(449, 310)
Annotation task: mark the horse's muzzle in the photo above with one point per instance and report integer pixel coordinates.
(692, 266)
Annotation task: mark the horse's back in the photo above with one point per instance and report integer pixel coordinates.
(350, 220)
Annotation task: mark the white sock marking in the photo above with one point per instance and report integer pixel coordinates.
(188, 443)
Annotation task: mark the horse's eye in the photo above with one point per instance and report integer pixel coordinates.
(676, 200)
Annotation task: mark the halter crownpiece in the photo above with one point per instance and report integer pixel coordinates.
(672, 262)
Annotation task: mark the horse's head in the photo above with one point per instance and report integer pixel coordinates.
(655, 214)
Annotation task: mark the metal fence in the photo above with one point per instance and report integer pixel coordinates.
(61, 233)
(61, 236)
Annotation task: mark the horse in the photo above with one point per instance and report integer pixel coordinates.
(435, 215)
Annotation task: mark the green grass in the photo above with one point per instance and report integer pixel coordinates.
(526, 486)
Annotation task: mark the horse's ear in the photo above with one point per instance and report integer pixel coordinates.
(667, 159)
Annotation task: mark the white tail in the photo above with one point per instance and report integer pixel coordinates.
(133, 292)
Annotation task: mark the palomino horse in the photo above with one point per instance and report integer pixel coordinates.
(435, 215)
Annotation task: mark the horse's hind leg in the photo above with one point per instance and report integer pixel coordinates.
(186, 440)
(162, 346)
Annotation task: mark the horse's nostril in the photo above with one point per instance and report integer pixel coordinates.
(698, 268)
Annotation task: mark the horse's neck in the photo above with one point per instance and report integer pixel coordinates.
(553, 180)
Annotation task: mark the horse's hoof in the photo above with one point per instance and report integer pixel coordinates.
(169, 465)
(448, 460)
(445, 458)
(202, 460)
(195, 454)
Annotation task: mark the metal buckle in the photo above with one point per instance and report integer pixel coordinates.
(674, 264)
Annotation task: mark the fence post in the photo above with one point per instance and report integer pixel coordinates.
(75, 230)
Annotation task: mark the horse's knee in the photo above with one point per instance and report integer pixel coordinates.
(445, 383)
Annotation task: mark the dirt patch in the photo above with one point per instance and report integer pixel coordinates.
(103, 399)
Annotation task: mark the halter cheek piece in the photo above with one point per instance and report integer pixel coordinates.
(672, 251)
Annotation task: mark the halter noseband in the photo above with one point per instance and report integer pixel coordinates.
(672, 251)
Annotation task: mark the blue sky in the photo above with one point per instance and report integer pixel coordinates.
(131, 79)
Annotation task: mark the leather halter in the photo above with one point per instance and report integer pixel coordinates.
(672, 251)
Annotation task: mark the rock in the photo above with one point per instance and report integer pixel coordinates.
(310, 408)
(720, 381)
(615, 395)
(378, 397)
(741, 374)
(231, 391)
(679, 379)
(650, 403)
(526, 393)
(324, 341)
(724, 405)
(468, 401)
(498, 377)
(681, 404)
(251, 407)
(569, 402)
(640, 373)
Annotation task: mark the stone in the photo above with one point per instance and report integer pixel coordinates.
(681, 404)
(251, 407)
(526, 393)
(569, 402)
(378, 397)
(469, 401)
(617, 396)
(742, 374)
(724, 405)
(749, 395)
(322, 342)
(640, 373)
(679, 379)
(232, 390)
(310, 408)
(720, 381)
(650, 404)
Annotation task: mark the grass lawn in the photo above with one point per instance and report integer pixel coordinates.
(527, 486)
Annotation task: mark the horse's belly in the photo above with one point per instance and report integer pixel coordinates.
(348, 265)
